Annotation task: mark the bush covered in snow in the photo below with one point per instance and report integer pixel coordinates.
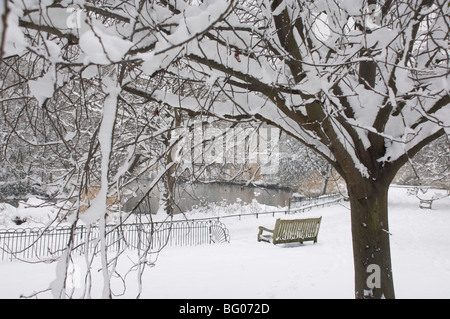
(34, 212)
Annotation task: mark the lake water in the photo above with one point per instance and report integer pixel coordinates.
(189, 195)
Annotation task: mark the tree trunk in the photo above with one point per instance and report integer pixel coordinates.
(325, 180)
(169, 188)
(168, 195)
(371, 248)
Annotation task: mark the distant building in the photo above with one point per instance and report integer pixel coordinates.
(218, 144)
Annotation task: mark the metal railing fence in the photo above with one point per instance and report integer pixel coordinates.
(51, 242)
(44, 243)
(298, 202)
(295, 206)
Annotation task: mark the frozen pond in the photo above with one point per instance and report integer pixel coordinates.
(189, 195)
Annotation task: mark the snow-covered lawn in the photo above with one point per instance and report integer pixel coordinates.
(245, 268)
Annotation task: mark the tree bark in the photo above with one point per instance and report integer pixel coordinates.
(371, 244)
(325, 179)
(169, 178)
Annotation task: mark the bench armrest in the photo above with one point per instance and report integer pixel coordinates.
(261, 229)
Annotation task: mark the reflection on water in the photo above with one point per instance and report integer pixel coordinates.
(189, 195)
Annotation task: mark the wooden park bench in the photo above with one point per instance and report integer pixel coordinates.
(291, 230)
(427, 198)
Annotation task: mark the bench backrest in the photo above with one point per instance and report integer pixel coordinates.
(295, 230)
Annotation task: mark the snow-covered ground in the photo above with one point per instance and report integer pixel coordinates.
(245, 268)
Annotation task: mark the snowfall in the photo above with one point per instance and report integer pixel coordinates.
(247, 269)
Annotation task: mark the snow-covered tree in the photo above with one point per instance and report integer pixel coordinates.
(304, 170)
(362, 82)
(429, 167)
(63, 107)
